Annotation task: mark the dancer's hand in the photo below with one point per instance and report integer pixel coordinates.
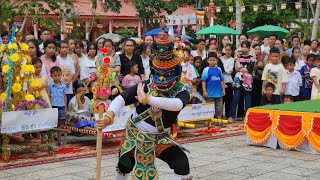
(140, 93)
(102, 123)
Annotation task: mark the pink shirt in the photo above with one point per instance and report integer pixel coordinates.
(48, 64)
(129, 81)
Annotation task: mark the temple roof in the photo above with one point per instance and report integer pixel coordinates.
(83, 8)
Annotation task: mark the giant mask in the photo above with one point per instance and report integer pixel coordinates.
(165, 67)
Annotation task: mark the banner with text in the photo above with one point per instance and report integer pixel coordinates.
(29, 120)
(120, 120)
(197, 112)
(189, 113)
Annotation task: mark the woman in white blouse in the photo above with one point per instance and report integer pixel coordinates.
(144, 51)
(200, 51)
(228, 65)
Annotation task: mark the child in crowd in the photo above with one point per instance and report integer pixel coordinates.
(37, 63)
(315, 74)
(87, 68)
(287, 99)
(275, 73)
(197, 65)
(188, 75)
(49, 58)
(213, 85)
(58, 97)
(306, 79)
(294, 80)
(305, 52)
(265, 46)
(132, 78)
(269, 98)
(219, 52)
(297, 55)
(228, 64)
(75, 59)
(67, 68)
(244, 65)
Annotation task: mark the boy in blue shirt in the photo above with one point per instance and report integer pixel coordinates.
(213, 84)
(58, 96)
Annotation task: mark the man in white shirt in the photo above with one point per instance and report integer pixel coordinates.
(81, 104)
(45, 34)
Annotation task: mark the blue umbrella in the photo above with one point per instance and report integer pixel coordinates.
(154, 32)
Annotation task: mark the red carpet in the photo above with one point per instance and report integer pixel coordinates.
(85, 149)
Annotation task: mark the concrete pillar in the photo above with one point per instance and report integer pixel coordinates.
(110, 25)
(139, 28)
(87, 28)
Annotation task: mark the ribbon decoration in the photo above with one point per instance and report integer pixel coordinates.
(11, 65)
(269, 7)
(230, 8)
(298, 5)
(218, 9)
(69, 27)
(283, 5)
(243, 8)
(200, 15)
(255, 8)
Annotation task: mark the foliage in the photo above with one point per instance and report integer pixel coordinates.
(149, 8)
(305, 29)
(110, 5)
(253, 19)
(127, 33)
(11, 9)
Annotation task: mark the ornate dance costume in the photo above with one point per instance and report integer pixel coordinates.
(148, 129)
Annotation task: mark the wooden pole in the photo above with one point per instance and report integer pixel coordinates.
(99, 146)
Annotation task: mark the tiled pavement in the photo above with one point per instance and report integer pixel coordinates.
(227, 158)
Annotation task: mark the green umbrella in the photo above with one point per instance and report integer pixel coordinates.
(218, 30)
(268, 30)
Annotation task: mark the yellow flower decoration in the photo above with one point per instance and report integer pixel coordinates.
(16, 87)
(3, 97)
(15, 57)
(31, 69)
(5, 68)
(13, 46)
(24, 47)
(24, 68)
(28, 59)
(35, 83)
(3, 47)
(29, 97)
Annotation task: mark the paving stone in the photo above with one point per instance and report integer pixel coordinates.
(277, 175)
(300, 171)
(227, 158)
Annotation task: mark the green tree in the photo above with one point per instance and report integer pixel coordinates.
(149, 9)
(22, 8)
(127, 33)
(110, 5)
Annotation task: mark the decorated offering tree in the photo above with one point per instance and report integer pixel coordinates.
(20, 91)
(103, 82)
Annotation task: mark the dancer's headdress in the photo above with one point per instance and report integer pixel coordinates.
(165, 67)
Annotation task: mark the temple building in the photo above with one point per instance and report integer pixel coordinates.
(105, 22)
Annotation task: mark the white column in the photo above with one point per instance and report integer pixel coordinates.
(139, 28)
(87, 29)
(110, 25)
(35, 29)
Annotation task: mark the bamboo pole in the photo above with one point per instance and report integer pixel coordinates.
(99, 146)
